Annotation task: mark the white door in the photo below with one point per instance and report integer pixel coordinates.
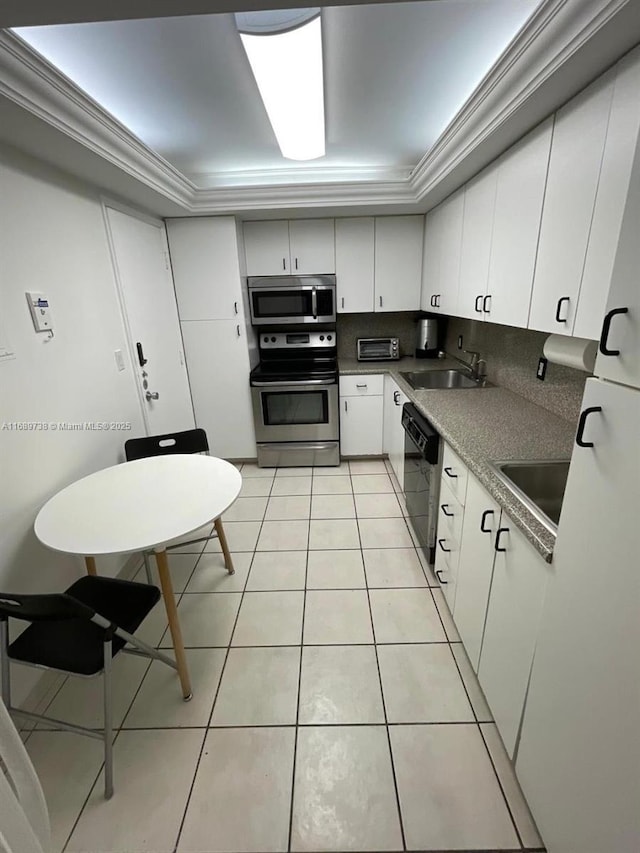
(361, 420)
(398, 262)
(141, 262)
(312, 245)
(266, 246)
(393, 433)
(579, 756)
(451, 239)
(431, 259)
(475, 253)
(354, 264)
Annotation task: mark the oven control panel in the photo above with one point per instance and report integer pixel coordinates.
(297, 340)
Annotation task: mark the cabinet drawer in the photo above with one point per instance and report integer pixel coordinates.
(454, 474)
(361, 386)
(450, 515)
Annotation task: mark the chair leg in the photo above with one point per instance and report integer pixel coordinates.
(147, 568)
(225, 547)
(108, 722)
(4, 662)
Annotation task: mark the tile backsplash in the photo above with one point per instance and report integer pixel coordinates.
(400, 325)
(512, 359)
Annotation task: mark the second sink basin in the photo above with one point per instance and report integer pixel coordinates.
(434, 379)
(540, 483)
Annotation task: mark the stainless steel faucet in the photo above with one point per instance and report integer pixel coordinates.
(477, 371)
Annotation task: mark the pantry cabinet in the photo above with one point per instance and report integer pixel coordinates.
(518, 587)
(361, 415)
(393, 431)
(296, 247)
(355, 241)
(579, 135)
(398, 262)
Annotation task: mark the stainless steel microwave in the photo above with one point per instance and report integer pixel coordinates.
(290, 300)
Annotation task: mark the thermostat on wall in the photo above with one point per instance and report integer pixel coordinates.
(40, 311)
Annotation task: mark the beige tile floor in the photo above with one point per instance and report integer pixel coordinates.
(334, 707)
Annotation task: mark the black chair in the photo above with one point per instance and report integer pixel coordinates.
(188, 441)
(78, 632)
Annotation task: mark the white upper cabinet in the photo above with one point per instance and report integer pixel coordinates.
(441, 264)
(355, 240)
(298, 247)
(522, 173)
(312, 246)
(477, 230)
(617, 162)
(574, 170)
(398, 262)
(205, 264)
(431, 259)
(266, 246)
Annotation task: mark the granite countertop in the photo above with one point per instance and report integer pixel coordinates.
(484, 425)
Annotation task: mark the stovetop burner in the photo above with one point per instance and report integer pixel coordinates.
(297, 357)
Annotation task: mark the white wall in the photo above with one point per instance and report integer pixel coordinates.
(53, 239)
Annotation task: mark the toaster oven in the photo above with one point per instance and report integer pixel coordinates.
(378, 349)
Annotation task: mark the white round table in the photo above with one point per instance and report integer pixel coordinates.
(142, 506)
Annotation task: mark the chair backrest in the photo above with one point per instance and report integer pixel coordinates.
(189, 441)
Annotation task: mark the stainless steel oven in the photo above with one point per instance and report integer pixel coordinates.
(294, 391)
(422, 465)
(292, 300)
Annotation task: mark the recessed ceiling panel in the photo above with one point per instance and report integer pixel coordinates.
(395, 75)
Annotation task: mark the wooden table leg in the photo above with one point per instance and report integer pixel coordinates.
(174, 624)
(90, 563)
(225, 547)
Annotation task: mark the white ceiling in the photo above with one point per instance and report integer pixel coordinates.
(395, 76)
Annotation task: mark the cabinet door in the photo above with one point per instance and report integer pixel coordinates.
(398, 262)
(617, 163)
(393, 433)
(574, 169)
(449, 536)
(579, 755)
(619, 356)
(361, 426)
(206, 271)
(515, 603)
(354, 264)
(477, 230)
(431, 259)
(218, 366)
(451, 244)
(266, 246)
(312, 246)
(519, 193)
(475, 567)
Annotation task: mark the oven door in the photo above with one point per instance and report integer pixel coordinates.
(296, 411)
(276, 303)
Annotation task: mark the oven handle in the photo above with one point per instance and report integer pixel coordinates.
(257, 384)
(314, 303)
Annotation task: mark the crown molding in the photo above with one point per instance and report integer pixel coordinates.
(301, 175)
(505, 105)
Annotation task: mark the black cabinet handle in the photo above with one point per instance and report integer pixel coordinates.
(141, 359)
(478, 298)
(438, 300)
(484, 518)
(486, 310)
(443, 507)
(449, 473)
(438, 573)
(432, 301)
(606, 328)
(581, 425)
(396, 398)
(446, 550)
(558, 308)
(497, 545)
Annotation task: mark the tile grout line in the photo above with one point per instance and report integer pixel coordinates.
(384, 704)
(213, 704)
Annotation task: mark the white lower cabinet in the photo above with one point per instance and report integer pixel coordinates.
(475, 567)
(361, 415)
(393, 432)
(218, 365)
(450, 518)
(520, 578)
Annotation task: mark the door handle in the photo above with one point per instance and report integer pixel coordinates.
(486, 310)
(581, 425)
(141, 359)
(606, 328)
(446, 550)
(152, 395)
(235, 307)
(345, 406)
(380, 301)
(396, 398)
(361, 386)
(497, 545)
(478, 298)
(284, 263)
(449, 473)
(559, 307)
(342, 302)
(238, 329)
(438, 300)
(433, 300)
(486, 513)
(438, 573)
(443, 507)
(314, 303)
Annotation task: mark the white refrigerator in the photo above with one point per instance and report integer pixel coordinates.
(578, 760)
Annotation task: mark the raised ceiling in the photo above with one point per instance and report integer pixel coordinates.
(395, 76)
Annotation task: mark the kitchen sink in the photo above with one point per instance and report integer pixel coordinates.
(438, 379)
(539, 483)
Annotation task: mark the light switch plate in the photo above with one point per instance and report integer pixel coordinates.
(40, 311)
